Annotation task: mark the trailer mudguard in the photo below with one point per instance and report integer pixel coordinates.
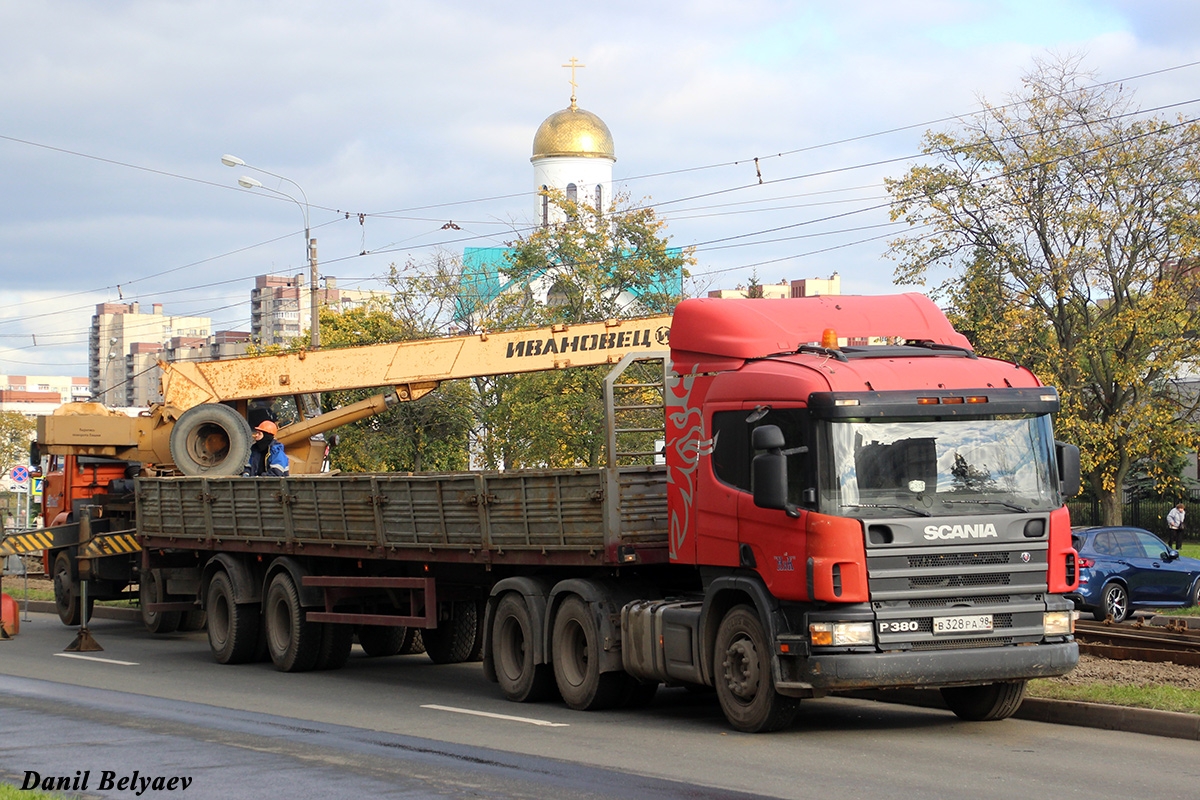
(245, 588)
(535, 591)
(310, 596)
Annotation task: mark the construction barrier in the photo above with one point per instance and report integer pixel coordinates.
(10, 617)
(16, 544)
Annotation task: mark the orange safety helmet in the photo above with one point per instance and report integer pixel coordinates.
(266, 426)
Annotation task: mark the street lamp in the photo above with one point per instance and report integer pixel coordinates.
(250, 183)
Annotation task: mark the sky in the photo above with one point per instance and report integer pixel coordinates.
(392, 119)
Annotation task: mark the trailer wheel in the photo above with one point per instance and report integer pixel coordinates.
(414, 642)
(150, 591)
(194, 620)
(336, 641)
(67, 601)
(520, 679)
(233, 628)
(744, 681)
(211, 440)
(293, 642)
(985, 703)
(453, 640)
(381, 641)
(576, 648)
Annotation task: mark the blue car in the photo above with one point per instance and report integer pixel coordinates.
(1125, 569)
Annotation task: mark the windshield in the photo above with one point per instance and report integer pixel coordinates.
(939, 467)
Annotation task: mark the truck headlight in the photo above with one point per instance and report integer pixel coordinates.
(841, 634)
(1059, 623)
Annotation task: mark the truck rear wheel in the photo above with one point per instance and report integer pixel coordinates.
(293, 642)
(744, 680)
(985, 703)
(453, 640)
(233, 628)
(150, 591)
(513, 634)
(576, 647)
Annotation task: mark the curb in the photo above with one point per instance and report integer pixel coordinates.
(1171, 724)
(100, 612)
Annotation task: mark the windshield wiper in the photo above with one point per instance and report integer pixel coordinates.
(1004, 503)
(917, 511)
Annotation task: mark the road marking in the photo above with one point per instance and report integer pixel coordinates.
(544, 723)
(101, 660)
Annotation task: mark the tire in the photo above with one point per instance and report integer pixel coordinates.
(381, 641)
(157, 622)
(211, 440)
(1195, 601)
(576, 651)
(233, 628)
(744, 680)
(985, 703)
(67, 601)
(193, 621)
(293, 642)
(513, 633)
(453, 640)
(414, 642)
(336, 641)
(1115, 601)
(476, 653)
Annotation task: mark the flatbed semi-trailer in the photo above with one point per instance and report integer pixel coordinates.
(824, 515)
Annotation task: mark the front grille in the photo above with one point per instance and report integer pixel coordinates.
(961, 644)
(911, 586)
(943, 581)
(957, 560)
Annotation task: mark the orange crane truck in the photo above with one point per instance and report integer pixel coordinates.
(836, 493)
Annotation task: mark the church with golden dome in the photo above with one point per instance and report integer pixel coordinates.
(573, 152)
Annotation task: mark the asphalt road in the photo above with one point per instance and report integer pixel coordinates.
(403, 727)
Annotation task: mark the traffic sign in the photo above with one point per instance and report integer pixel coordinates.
(37, 486)
(19, 474)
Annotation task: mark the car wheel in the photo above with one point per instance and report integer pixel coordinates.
(1116, 602)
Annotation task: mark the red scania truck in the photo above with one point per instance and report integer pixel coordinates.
(842, 496)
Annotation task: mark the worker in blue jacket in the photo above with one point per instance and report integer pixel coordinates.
(267, 457)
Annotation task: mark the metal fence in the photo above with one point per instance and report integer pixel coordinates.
(1141, 512)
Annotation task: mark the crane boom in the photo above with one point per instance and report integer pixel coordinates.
(180, 433)
(417, 363)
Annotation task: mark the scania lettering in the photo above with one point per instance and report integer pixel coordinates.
(798, 497)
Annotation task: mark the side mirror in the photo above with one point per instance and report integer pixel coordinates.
(769, 470)
(1068, 468)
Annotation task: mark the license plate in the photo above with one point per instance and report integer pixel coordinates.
(974, 624)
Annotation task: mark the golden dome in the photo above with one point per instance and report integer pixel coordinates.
(573, 132)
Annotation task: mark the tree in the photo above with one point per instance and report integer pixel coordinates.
(1065, 230)
(592, 266)
(16, 431)
(427, 434)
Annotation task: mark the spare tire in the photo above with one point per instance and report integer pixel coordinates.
(211, 440)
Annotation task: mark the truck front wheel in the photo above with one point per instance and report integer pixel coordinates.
(233, 627)
(453, 640)
(576, 647)
(744, 681)
(985, 703)
(513, 633)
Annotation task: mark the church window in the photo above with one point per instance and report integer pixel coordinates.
(599, 198)
(572, 192)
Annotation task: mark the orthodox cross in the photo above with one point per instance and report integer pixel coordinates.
(574, 63)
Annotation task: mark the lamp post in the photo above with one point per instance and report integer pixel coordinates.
(310, 243)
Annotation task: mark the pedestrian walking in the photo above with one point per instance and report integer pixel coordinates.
(1175, 519)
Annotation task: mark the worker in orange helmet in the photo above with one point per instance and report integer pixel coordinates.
(266, 455)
